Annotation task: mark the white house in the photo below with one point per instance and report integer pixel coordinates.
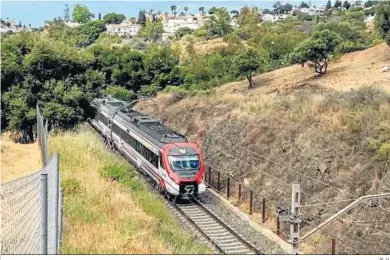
(270, 18)
(10, 26)
(170, 26)
(72, 24)
(123, 29)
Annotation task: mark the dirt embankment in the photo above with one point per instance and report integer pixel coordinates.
(295, 127)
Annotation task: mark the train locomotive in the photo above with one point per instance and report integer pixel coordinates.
(164, 155)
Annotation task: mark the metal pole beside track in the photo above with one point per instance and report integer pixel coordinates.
(228, 187)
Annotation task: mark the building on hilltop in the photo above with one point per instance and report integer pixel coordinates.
(72, 24)
(126, 28)
(10, 26)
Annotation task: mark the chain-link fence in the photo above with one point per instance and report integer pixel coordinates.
(31, 207)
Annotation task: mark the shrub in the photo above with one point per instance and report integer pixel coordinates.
(120, 93)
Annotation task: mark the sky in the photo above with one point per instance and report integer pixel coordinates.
(37, 12)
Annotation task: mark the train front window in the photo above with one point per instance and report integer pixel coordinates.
(184, 163)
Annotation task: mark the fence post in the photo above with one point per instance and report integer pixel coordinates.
(263, 209)
(239, 192)
(333, 246)
(228, 187)
(210, 176)
(61, 219)
(277, 226)
(44, 214)
(250, 202)
(57, 199)
(219, 181)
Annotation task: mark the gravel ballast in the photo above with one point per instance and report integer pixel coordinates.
(232, 219)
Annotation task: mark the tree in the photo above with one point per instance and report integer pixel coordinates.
(369, 3)
(249, 16)
(66, 13)
(186, 9)
(113, 18)
(152, 30)
(317, 49)
(352, 36)
(346, 5)
(183, 31)
(247, 63)
(20, 24)
(266, 11)
(337, 4)
(303, 5)
(90, 32)
(234, 12)
(212, 10)
(173, 9)
(142, 17)
(219, 23)
(159, 64)
(201, 10)
(100, 16)
(81, 14)
(328, 5)
(382, 21)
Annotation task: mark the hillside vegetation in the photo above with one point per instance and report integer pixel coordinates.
(63, 68)
(104, 216)
(289, 128)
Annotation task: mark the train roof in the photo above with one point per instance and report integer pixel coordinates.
(143, 124)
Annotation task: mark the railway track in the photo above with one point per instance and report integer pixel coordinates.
(221, 236)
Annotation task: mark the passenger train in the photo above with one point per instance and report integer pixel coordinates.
(175, 164)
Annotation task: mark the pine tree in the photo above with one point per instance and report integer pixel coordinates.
(66, 13)
(328, 5)
(142, 17)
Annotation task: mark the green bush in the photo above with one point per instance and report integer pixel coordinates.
(384, 152)
(120, 93)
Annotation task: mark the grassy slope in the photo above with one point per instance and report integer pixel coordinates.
(301, 122)
(106, 217)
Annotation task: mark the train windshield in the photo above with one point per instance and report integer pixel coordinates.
(184, 163)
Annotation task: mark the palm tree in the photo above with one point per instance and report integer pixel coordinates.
(166, 15)
(234, 12)
(182, 13)
(173, 8)
(150, 11)
(186, 9)
(201, 9)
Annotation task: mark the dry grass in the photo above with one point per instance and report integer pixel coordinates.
(298, 121)
(18, 160)
(105, 217)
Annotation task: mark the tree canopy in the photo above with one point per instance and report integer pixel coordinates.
(81, 14)
(382, 21)
(152, 30)
(113, 18)
(247, 63)
(317, 49)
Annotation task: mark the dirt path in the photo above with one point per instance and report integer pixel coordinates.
(18, 160)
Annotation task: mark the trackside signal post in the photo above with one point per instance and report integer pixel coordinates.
(294, 218)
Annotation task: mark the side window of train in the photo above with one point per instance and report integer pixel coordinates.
(161, 162)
